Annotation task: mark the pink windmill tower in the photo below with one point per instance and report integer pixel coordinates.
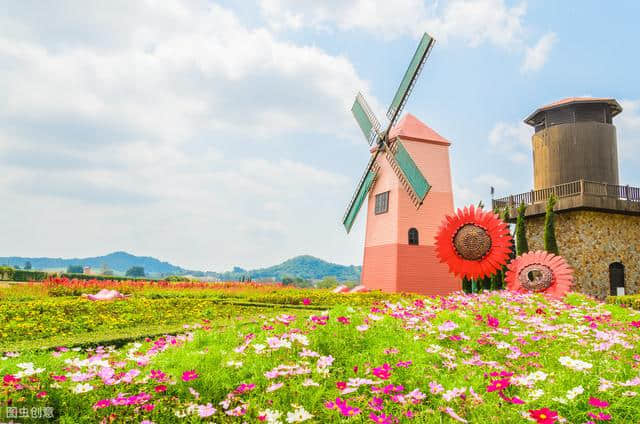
(408, 186)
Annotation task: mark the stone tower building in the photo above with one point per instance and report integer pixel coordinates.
(575, 157)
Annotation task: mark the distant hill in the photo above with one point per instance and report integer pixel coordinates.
(307, 267)
(117, 261)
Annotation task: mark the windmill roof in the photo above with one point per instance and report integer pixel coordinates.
(413, 128)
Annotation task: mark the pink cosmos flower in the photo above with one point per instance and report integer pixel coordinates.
(206, 410)
(453, 415)
(102, 403)
(498, 385)
(10, 379)
(601, 416)
(274, 387)
(189, 375)
(59, 378)
(148, 407)
(344, 320)
(382, 418)
(383, 372)
(158, 375)
(243, 388)
(435, 387)
(543, 415)
(41, 394)
(160, 389)
(597, 402)
(306, 301)
(635, 324)
(492, 321)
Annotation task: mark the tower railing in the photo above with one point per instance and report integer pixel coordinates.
(574, 188)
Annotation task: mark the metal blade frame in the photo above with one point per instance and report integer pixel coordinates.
(409, 79)
(366, 119)
(358, 196)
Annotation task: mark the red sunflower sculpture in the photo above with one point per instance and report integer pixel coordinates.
(539, 271)
(473, 243)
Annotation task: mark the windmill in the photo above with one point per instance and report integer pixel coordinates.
(401, 154)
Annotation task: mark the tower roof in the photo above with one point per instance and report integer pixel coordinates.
(612, 103)
(412, 128)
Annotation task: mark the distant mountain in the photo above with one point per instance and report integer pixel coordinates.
(307, 267)
(117, 261)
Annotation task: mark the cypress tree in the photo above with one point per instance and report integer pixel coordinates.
(550, 244)
(521, 234)
(466, 285)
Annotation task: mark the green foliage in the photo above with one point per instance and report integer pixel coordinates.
(22, 275)
(6, 273)
(550, 244)
(135, 271)
(628, 301)
(75, 269)
(327, 283)
(521, 235)
(176, 278)
(466, 285)
(296, 282)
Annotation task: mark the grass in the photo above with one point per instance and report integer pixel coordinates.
(444, 348)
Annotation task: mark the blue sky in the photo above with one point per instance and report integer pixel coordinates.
(213, 134)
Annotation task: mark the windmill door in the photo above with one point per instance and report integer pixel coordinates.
(616, 279)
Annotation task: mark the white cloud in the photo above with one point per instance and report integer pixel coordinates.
(473, 22)
(157, 131)
(511, 140)
(536, 56)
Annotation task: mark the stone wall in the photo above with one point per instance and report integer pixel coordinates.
(590, 241)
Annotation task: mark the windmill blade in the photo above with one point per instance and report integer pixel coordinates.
(410, 77)
(365, 183)
(408, 173)
(366, 120)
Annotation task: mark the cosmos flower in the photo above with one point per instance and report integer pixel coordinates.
(189, 375)
(597, 402)
(498, 385)
(544, 415)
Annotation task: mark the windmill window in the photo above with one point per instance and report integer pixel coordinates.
(413, 236)
(382, 203)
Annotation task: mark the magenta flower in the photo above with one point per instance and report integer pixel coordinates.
(102, 403)
(160, 389)
(601, 416)
(306, 301)
(41, 394)
(189, 375)
(158, 375)
(598, 403)
(344, 320)
(635, 324)
(383, 372)
(243, 388)
(498, 385)
(382, 418)
(492, 321)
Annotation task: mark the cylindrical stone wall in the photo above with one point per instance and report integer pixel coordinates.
(575, 151)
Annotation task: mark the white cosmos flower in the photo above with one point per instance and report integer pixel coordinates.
(298, 415)
(82, 388)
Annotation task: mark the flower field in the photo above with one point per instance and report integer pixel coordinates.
(489, 357)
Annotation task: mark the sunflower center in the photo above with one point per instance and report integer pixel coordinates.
(472, 242)
(536, 277)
